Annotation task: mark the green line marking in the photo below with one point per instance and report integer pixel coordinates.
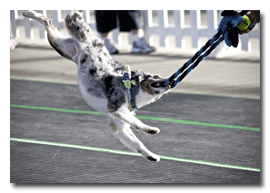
(200, 123)
(98, 149)
(141, 117)
(56, 109)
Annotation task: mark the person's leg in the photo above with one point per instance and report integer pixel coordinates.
(104, 35)
(129, 22)
(106, 21)
(135, 35)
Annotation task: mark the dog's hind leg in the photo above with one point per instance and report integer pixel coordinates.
(77, 27)
(122, 131)
(67, 47)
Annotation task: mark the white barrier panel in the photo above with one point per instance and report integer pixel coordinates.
(195, 24)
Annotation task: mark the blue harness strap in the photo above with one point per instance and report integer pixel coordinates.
(226, 23)
(130, 85)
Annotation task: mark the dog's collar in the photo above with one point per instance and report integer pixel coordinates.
(130, 85)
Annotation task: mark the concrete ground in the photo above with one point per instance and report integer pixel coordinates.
(237, 76)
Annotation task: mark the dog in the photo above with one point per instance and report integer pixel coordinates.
(100, 79)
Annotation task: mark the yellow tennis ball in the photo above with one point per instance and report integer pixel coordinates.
(244, 25)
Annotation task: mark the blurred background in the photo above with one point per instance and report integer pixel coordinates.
(177, 35)
(163, 28)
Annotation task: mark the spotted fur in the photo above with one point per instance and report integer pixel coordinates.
(100, 79)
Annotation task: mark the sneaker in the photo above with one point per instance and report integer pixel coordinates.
(110, 47)
(141, 46)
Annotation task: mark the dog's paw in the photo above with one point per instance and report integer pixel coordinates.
(31, 14)
(76, 13)
(151, 130)
(28, 13)
(153, 157)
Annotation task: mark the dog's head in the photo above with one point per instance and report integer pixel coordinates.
(151, 87)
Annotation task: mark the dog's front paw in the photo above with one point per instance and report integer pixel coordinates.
(151, 130)
(153, 157)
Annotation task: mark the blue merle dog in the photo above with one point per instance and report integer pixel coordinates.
(100, 79)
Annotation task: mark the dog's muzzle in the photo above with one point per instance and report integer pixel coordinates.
(161, 84)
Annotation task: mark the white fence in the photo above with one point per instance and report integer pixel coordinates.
(171, 28)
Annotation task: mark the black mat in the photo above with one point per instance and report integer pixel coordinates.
(31, 163)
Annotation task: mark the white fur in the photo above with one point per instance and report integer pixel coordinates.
(88, 53)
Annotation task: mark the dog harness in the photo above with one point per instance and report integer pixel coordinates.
(130, 85)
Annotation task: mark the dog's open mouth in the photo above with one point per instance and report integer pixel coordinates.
(160, 84)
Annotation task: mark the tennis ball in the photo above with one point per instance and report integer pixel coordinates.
(244, 25)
